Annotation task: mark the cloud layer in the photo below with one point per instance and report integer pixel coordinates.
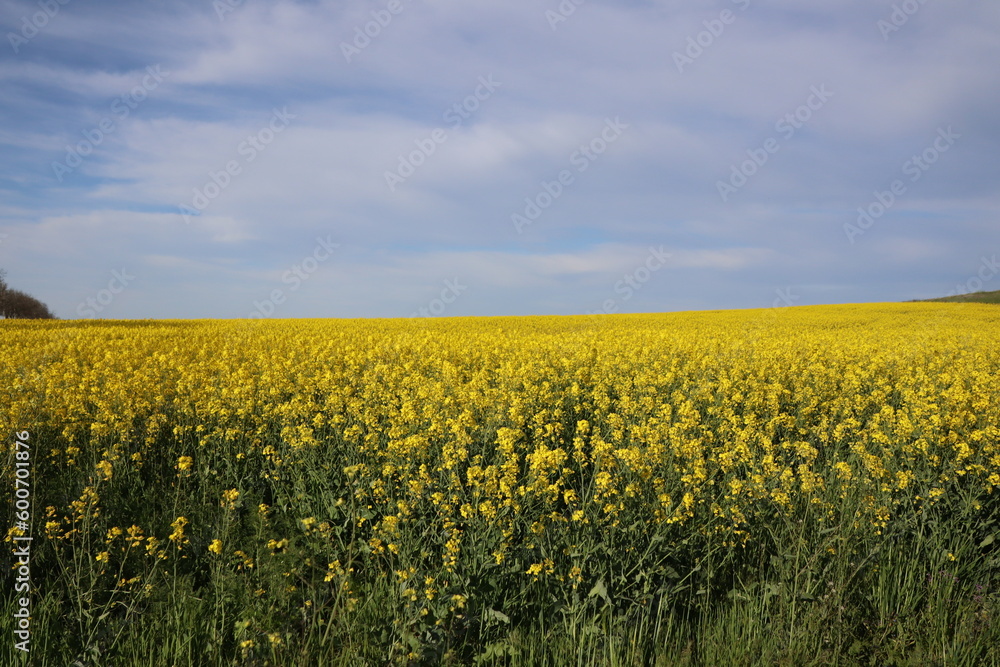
(537, 155)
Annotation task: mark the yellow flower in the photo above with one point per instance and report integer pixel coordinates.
(229, 498)
(134, 536)
(104, 468)
(151, 544)
(466, 430)
(276, 545)
(178, 533)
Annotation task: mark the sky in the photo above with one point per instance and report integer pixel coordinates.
(401, 158)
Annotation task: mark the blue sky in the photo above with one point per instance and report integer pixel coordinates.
(175, 159)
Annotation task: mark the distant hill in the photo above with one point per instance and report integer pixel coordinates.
(973, 297)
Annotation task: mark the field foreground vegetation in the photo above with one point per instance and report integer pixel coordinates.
(805, 486)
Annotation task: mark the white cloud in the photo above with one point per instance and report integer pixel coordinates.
(325, 173)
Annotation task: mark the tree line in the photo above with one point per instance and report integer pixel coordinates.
(17, 304)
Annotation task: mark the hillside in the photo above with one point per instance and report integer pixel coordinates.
(972, 297)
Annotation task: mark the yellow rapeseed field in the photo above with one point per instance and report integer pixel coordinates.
(429, 451)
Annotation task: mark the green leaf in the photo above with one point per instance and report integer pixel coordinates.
(494, 651)
(499, 616)
(988, 541)
(600, 590)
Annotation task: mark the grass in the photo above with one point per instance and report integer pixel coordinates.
(971, 297)
(802, 592)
